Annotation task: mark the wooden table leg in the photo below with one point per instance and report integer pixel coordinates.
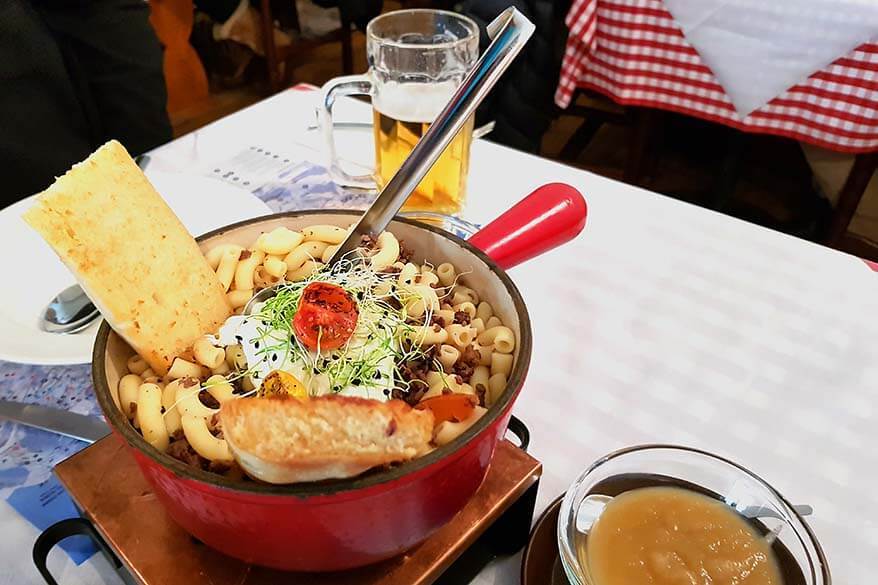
(640, 142)
(850, 195)
(581, 138)
(727, 180)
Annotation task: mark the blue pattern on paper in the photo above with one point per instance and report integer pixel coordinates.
(309, 186)
(43, 505)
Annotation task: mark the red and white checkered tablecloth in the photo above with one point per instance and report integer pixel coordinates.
(634, 52)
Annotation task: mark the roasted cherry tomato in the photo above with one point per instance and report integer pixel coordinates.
(327, 316)
(453, 407)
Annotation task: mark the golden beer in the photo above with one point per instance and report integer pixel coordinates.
(444, 188)
(417, 59)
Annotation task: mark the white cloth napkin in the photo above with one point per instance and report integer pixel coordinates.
(760, 48)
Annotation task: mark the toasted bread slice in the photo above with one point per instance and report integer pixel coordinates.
(131, 255)
(284, 440)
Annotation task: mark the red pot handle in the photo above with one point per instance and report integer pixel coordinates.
(552, 215)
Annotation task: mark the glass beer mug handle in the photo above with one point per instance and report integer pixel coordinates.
(342, 86)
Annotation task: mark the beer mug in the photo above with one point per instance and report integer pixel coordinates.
(417, 59)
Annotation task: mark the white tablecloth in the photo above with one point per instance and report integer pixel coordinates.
(662, 322)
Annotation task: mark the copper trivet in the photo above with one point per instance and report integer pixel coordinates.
(107, 485)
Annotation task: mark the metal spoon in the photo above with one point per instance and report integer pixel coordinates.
(71, 310)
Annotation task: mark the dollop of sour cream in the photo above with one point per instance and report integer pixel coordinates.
(254, 335)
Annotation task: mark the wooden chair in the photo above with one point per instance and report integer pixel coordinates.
(849, 198)
(596, 110)
(282, 60)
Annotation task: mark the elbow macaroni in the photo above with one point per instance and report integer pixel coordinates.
(129, 388)
(188, 402)
(181, 368)
(204, 443)
(149, 412)
(500, 337)
(279, 241)
(329, 234)
(169, 403)
(387, 251)
(246, 269)
(207, 355)
(470, 349)
(136, 364)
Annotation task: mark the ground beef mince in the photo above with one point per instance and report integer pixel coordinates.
(369, 243)
(208, 400)
(221, 467)
(463, 371)
(461, 318)
(392, 270)
(405, 253)
(482, 393)
(437, 320)
(466, 363)
(415, 373)
(183, 451)
(411, 396)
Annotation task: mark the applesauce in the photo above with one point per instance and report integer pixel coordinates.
(675, 536)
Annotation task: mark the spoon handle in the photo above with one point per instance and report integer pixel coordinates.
(509, 31)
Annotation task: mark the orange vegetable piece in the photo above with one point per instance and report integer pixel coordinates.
(449, 407)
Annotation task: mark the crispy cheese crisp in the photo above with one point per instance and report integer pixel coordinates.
(131, 254)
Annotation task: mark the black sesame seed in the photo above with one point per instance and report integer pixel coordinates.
(239, 338)
(315, 370)
(360, 295)
(377, 374)
(386, 392)
(274, 357)
(355, 381)
(256, 345)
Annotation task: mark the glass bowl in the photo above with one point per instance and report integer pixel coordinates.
(796, 546)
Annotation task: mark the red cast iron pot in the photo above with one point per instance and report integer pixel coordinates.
(341, 524)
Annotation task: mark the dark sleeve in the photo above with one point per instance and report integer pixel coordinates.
(521, 103)
(115, 59)
(43, 126)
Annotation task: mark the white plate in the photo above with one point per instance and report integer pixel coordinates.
(35, 274)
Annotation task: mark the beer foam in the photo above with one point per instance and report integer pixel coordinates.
(413, 102)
